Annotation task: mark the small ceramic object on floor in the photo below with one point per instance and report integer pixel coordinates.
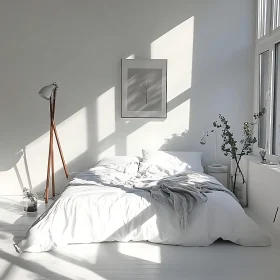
(30, 201)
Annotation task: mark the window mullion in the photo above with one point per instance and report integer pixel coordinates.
(270, 94)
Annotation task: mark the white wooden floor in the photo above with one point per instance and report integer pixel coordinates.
(220, 261)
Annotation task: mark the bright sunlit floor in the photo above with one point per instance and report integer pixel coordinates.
(220, 261)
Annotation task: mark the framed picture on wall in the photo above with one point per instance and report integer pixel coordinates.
(144, 86)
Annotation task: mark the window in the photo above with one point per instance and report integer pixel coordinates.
(263, 90)
(267, 85)
(275, 15)
(276, 109)
(263, 17)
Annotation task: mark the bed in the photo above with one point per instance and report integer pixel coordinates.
(119, 200)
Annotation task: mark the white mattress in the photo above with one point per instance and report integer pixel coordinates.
(98, 213)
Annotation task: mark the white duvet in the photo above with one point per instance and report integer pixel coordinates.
(91, 210)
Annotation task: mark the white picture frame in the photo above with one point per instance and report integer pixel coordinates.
(144, 88)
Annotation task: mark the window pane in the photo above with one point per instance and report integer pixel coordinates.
(263, 88)
(263, 18)
(275, 14)
(276, 111)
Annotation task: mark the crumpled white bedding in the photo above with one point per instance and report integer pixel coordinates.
(91, 210)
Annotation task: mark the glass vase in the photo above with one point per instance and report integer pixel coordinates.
(30, 201)
(240, 189)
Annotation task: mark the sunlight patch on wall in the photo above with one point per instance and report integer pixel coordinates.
(73, 137)
(177, 47)
(6, 177)
(10, 183)
(106, 114)
(131, 56)
(111, 151)
(75, 129)
(153, 134)
(141, 251)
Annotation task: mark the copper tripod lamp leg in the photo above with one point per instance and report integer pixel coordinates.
(60, 150)
(57, 139)
(49, 165)
(52, 165)
(50, 168)
(52, 112)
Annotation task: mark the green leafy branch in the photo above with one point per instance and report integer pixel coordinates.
(230, 147)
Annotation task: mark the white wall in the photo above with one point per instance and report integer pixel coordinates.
(79, 44)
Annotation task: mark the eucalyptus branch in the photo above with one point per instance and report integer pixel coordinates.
(229, 145)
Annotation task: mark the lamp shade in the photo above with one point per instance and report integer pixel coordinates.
(47, 91)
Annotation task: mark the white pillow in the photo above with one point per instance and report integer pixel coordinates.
(178, 161)
(124, 164)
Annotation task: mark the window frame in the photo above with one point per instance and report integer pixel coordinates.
(267, 93)
(266, 43)
(273, 13)
(269, 21)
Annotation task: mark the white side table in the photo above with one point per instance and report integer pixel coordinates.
(220, 172)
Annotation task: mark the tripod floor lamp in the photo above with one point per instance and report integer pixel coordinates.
(49, 93)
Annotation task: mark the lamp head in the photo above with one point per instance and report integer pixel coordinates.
(47, 91)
